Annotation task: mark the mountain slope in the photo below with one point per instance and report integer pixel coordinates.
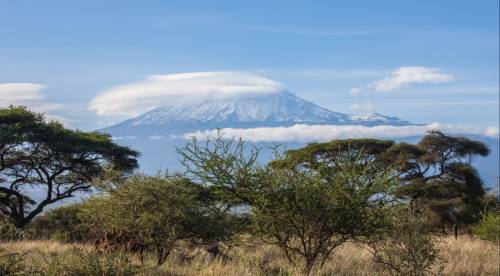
(278, 109)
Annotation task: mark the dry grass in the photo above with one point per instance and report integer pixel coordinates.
(471, 256)
(466, 256)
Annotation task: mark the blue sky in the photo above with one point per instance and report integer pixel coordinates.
(330, 52)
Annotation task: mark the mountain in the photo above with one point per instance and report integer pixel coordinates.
(270, 110)
(157, 133)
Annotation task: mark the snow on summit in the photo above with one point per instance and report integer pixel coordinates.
(270, 110)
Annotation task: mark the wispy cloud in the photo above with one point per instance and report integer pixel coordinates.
(29, 95)
(16, 93)
(355, 91)
(405, 76)
(362, 106)
(457, 103)
(317, 32)
(313, 133)
(324, 73)
(455, 89)
(138, 97)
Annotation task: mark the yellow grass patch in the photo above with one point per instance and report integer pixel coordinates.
(465, 256)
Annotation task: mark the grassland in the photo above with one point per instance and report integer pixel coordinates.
(465, 256)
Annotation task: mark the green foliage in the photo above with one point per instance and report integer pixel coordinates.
(8, 231)
(306, 212)
(325, 155)
(436, 173)
(155, 213)
(308, 215)
(65, 224)
(226, 166)
(439, 178)
(489, 227)
(34, 152)
(406, 244)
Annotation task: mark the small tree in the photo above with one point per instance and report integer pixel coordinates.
(306, 212)
(155, 213)
(308, 215)
(34, 153)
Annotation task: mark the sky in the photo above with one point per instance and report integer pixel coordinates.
(91, 64)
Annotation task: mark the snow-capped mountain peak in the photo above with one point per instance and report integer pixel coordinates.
(276, 109)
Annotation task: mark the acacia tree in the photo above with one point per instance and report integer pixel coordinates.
(438, 176)
(309, 214)
(37, 154)
(328, 155)
(306, 212)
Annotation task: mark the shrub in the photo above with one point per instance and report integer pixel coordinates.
(405, 245)
(8, 231)
(64, 224)
(11, 263)
(155, 213)
(489, 227)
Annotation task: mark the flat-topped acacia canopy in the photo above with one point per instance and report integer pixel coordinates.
(34, 152)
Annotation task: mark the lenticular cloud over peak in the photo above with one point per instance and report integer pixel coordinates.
(156, 90)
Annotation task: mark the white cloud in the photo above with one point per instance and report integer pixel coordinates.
(323, 73)
(313, 133)
(491, 131)
(29, 95)
(405, 76)
(355, 91)
(366, 106)
(138, 97)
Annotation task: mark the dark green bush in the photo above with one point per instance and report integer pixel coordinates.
(145, 213)
(8, 231)
(64, 224)
(489, 227)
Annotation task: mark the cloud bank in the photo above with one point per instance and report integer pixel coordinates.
(405, 76)
(318, 133)
(135, 98)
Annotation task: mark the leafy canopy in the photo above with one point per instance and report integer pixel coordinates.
(156, 212)
(306, 212)
(35, 154)
(436, 174)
